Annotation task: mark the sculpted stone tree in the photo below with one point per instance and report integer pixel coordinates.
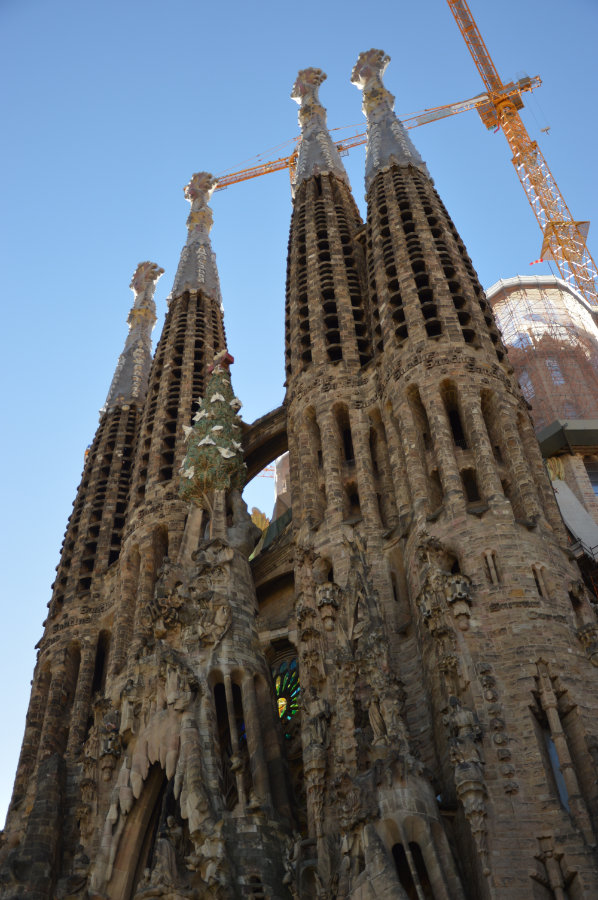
(213, 464)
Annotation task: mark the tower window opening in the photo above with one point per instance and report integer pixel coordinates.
(491, 567)
(470, 486)
(457, 428)
(422, 872)
(434, 329)
(538, 574)
(404, 872)
(101, 660)
(451, 405)
(354, 506)
(344, 428)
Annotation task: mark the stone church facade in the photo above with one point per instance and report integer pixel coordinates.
(395, 695)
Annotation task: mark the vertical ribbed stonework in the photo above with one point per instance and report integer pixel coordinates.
(94, 531)
(193, 333)
(346, 515)
(490, 582)
(325, 309)
(60, 708)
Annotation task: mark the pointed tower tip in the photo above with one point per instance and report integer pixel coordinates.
(317, 153)
(131, 376)
(388, 143)
(197, 266)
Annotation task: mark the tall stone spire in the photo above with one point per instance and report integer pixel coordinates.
(388, 142)
(129, 384)
(197, 266)
(317, 152)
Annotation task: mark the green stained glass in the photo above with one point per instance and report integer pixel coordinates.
(286, 682)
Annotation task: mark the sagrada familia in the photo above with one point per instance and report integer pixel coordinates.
(394, 694)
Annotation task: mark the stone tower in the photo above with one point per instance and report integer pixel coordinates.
(393, 694)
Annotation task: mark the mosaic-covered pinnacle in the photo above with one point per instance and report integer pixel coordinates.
(197, 269)
(317, 154)
(388, 143)
(129, 384)
(214, 458)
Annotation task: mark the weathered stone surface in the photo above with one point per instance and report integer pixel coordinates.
(396, 697)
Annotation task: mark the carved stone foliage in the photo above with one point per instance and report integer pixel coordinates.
(196, 599)
(214, 458)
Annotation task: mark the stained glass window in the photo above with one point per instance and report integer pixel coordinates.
(286, 683)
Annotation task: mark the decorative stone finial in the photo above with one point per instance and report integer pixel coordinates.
(388, 143)
(197, 269)
(129, 384)
(214, 458)
(317, 152)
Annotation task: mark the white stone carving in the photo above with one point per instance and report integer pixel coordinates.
(317, 152)
(388, 142)
(129, 384)
(197, 269)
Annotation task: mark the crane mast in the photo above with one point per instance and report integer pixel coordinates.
(564, 237)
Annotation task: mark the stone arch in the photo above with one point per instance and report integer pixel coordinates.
(136, 841)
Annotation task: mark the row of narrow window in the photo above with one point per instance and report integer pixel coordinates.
(327, 289)
(425, 291)
(107, 467)
(199, 317)
(468, 473)
(520, 497)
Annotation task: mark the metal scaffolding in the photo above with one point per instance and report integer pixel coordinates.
(552, 340)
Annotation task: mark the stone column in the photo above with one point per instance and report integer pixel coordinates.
(398, 473)
(54, 730)
(444, 446)
(255, 745)
(520, 473)
(82, 701)
(478, 438)
(331, 456)
(360, 434)
(550, 706)
(123, 628)
(234, 738)
(415, 466)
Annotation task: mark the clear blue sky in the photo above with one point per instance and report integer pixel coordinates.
(109, 107)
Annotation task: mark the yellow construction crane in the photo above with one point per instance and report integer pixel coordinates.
(480, 102)
(564, 237)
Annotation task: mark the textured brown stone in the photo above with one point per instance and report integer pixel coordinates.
(445, 743)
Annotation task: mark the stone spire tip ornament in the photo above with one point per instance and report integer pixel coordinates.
(317, 153)
(197, 269)
(388, 143)
(129, 384)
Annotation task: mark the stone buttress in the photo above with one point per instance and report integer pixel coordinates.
(496, 611)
